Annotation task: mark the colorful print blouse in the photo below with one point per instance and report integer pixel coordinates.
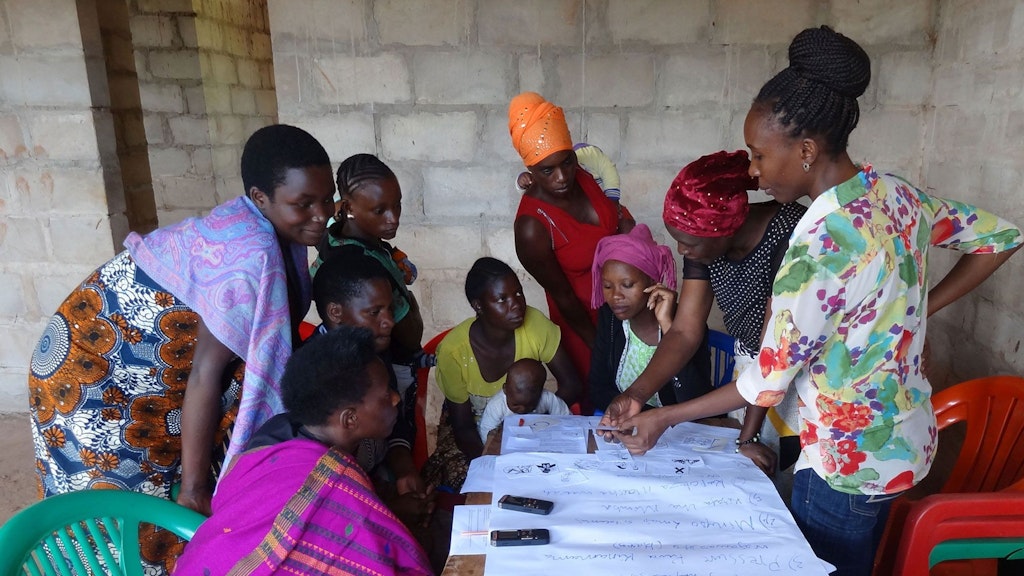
(847, 325)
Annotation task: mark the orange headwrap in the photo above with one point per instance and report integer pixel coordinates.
(537, 127)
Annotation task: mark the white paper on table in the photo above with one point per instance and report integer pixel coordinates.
(472, 518)
(724, 517)
(480, 476)
(543, 432)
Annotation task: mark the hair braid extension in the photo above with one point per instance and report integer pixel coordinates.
(817, 94)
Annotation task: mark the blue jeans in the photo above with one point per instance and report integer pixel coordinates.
(843, 529)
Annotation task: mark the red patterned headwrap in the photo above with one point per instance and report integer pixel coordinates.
(537, 128)
(708, 198)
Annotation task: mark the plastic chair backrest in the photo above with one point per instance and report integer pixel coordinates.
(960, 526)
(419, 450)
(992, 457)
(722, 359)
(306, 330)
(102, 525)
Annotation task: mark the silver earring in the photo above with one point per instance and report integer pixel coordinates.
(807, 167)
(351, 217)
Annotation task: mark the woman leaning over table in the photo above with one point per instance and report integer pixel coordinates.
(137, 376)
(561, 217)
(849, 305)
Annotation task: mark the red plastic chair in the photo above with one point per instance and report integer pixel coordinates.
(306, 330)
(992, 456)
(961, 526)
(419, 450)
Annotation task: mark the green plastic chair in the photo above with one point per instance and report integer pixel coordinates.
(88, 532)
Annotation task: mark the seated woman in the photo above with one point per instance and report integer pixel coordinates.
(305, 506)
(473, 359)
(626, 267)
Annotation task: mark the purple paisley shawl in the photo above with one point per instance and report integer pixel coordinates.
(229, 269)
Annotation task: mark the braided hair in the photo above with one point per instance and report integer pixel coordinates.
(817, 93)
(273, 150)
(485, 271)
(359, 169)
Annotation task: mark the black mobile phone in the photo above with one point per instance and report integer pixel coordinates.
(528, 537)
(523, 504)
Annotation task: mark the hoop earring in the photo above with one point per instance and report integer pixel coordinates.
(807, 167)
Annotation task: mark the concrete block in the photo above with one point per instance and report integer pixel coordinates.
(762, 22)
(146, 6)
(227, 130)
(154, 31)
(81, 238)
(555, 23)
(296, 24)
(202, 162)
(43, 24)
(462, 78)
(185, 192)
(195, 100)
(225, 159)
(496, 149)
(342, 135)
(467, 193)
(22, 240)
(606, 81)
(666, 138)
(161, 97)
(500, 243)
(658, 21)
(643, 190)
(218, 98)
(12, 297)
(243, 101)
(430, 137)
(187, 31)
(261, 46)
(439, 247)
(71, 190)
(46, 80)
(266, 102)
(168, 216)
(879, 22)
(359, 80)
(603, 131)
(16, 344)
(904, 78)
(63, 136)
(155, 130)
(178, 64)
(5, 36)
(423, 22)
(190, 130)
(248, 72)
(697, 76)
(222, 67)
(52, 289)
(12, 139)
(531, 74)
(168, 161)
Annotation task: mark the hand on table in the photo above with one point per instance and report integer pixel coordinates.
(762, 455)
(649, 428)
(621, 408)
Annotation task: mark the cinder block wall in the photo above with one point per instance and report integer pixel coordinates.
(61, 199)
(974, 150)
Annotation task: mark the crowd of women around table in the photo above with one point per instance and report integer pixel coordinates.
(178, 366)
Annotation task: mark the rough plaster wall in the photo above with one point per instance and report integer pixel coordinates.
(425, 84)
(61, 199)
(974, 152)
